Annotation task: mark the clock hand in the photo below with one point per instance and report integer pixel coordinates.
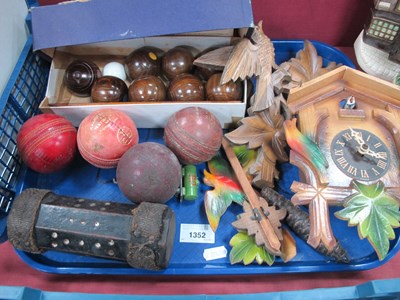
(363, 147)
(369, 152)
(357, 136)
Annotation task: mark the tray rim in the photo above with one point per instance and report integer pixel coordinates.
(232, 269)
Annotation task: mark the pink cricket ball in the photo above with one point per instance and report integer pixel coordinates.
(47, 143)
(149, 172)
(194, 134)
(105, 135)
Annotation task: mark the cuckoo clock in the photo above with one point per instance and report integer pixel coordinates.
(353, 118)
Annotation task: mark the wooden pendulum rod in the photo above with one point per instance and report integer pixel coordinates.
(265, 224)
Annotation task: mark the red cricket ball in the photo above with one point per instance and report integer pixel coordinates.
(105, 135)
(149, 172)
(47, 143)
(194, 134)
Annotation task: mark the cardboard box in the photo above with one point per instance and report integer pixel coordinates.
(100, 31)
(59, 100)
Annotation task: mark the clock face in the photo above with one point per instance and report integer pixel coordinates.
(360, 154)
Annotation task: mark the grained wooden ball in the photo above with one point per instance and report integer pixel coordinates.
(109, 89)
(194, 134)
(204, 73)
(150, 88)
(177, 61)
(186, 87)
(80, 76)
(225, 92)
(143, 61)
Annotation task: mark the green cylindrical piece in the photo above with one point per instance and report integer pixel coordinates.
(191, 184)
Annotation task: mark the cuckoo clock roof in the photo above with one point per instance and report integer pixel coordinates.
(348, 80)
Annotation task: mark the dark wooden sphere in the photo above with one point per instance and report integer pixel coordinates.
(204, 73)
(186, 87)
(176, 61)
(144, 61)
(79, 77)
(226, 92)
(150, 88)
(109, 89)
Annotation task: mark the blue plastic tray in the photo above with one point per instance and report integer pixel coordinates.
(84, 180)
(376, 289)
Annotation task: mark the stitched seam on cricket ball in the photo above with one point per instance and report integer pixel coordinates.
(175, 144)
(189, 152)
(190, 138)
(32, 147)
(122, 135)
(43, 128)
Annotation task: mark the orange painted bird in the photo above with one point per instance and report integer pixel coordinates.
(304, 146)
(226, 190)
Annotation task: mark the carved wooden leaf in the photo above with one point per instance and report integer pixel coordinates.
(318, 200)
(245, 250)
(253, 131)
(249, 221)
(262, 131)
(263, 170)
(375, 213)
(307, 64)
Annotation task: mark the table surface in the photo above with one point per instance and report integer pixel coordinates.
(15, 272)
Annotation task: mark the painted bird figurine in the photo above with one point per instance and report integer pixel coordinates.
(254, 55)
(226, 190)
(306, 148)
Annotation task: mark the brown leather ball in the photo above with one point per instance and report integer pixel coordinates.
(150, 88)
(176, 61)
(149, 172)
(194, 134)
(186, 87)
(109, 89)
(225, 92)
(144, 61)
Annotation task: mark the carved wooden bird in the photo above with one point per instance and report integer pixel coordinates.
(305, 147)
(254, 55)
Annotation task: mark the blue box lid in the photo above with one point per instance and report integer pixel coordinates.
(82, 22)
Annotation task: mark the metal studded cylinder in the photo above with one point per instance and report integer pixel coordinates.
(142, 235)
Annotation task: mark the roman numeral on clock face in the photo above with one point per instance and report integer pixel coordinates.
(364, 174)
(342, 162)
(360, 154)
(352, 170)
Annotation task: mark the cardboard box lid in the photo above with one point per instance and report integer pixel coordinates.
(90, 21)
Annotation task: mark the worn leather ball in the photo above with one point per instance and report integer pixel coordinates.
(194, 134)
(105, 135)
(47, 143)
(149, 172)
